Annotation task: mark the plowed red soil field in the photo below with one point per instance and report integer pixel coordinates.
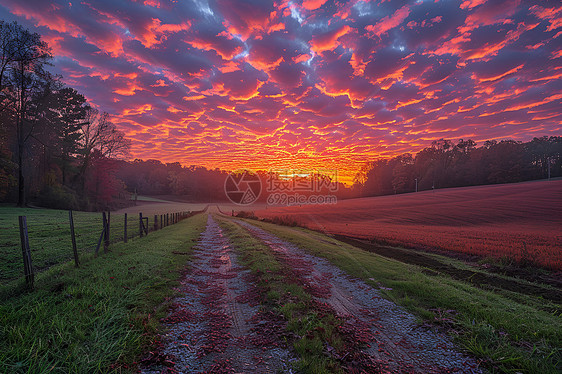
(521, 221)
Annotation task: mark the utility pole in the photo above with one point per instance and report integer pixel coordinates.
(416, 184)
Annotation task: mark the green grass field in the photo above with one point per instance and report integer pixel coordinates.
(511, 332)
(49, 237)
(99, 317)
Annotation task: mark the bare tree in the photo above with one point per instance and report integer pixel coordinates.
(99, 133)
(7, 50)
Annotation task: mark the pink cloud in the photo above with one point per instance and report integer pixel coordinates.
(388, 22)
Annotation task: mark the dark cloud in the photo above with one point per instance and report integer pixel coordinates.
(385, 63)
(430, 22)
(245, 16)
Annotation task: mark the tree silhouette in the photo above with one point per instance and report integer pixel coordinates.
(22, 80)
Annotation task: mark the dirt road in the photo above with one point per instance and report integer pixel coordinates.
(214, 327)
(400, 344)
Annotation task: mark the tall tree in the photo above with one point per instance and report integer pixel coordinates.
(7, 53)
(66, 112)
(23, 79)
(6, 165)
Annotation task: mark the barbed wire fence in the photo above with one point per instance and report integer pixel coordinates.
(34, 245)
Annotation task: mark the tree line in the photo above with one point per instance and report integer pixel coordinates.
(199, 184)
(446, 164)
(190, 183)
(54, 146)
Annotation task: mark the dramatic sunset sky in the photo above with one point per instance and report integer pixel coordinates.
(317, 83)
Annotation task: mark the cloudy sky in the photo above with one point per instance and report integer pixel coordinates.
(312, 83)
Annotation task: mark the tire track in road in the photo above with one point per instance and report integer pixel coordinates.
(212, 328)
(400, 343)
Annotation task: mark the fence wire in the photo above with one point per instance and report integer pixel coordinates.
(50, 238)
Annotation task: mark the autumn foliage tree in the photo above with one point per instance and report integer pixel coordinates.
(446, 164)
(100, 183)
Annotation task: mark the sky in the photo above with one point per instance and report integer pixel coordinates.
(306, 84)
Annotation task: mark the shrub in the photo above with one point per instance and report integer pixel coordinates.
(57, 197)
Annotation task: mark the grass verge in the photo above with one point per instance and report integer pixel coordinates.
(510, 334)
(50, 240)
(96, 318)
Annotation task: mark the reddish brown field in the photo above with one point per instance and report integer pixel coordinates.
(516, 221)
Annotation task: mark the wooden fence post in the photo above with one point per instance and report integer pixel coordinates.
(140, 225)
(26, 252)
(161, 222)
(73, 237)
(108, 226)
(101, 236)
(105, 233)
(125, 230)
(155, 222)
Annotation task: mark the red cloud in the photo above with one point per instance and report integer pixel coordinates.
(246, 18)
(313, 4)
(329, 40)
(223, 44)
(492, 12)
(388, 22)
(553, 15)
(469, 4)
(157, 32)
